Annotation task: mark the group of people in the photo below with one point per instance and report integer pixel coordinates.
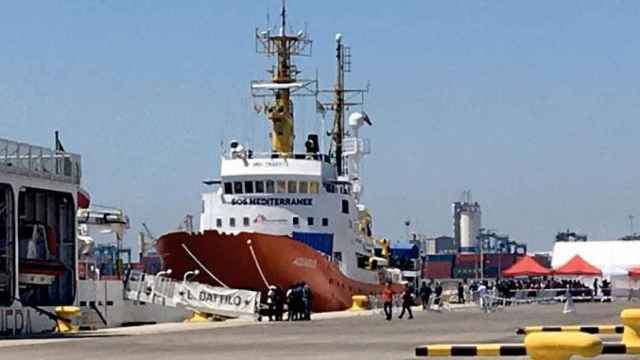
(407, 301)
(298, 299)
(508, 288)
(425, 292)
(408, 298)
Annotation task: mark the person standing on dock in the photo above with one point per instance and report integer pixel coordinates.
(271, 302)
(407, 301)
(460, 293)
(438, 299)
(425, 294)
(387, 299)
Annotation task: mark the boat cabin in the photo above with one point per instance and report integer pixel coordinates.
(38, 192)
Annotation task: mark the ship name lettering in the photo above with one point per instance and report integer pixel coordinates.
(220, 299)
(273, 201)
(15, 321)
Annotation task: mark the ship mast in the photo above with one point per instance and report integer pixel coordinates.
(342, 100)
(283, 83)
(338, 118)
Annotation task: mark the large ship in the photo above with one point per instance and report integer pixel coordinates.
(286, 217)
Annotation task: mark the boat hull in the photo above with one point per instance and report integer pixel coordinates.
(282, 260)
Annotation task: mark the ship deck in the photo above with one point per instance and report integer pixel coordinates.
(334, 335)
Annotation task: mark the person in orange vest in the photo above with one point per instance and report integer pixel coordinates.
(387, 299)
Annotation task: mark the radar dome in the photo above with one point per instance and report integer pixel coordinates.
(359, 118)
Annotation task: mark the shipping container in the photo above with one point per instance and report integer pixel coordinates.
(437, 270)
(464, 273)
(441, 257)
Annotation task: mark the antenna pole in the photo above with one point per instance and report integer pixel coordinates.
(338, 131)
(284, 16)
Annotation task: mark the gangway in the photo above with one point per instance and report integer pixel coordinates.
(157, 289)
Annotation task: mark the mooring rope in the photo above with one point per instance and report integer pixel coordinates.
(255, 259)
(202, 266)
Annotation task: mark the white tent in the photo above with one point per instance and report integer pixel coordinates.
(613, 257)
(601, 254)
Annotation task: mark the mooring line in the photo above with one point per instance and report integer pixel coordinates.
(255, 260)
(202, 266)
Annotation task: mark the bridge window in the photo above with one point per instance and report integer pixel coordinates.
(237, 187)
(245, 221)
(363, 261)
(7, 235)
(303, 187)
(310, 221)
(325, 222)
(296, 221)
(248, 187)
(281, 186)
(270, 187)
(345, 206)
(232, 222)
(292, 187)
(259, 187)
(228, 188)
(330, 188)
(314, 187)
(219, 222)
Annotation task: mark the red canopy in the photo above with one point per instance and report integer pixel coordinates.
(526, 266)
(578, 266)
(635, 272)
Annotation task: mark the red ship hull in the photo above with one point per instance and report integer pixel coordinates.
(283, 261)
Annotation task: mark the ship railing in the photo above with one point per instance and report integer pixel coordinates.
(228, 155)
(354, 145)
(31, 160)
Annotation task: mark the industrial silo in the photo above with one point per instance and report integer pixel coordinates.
(467, 221)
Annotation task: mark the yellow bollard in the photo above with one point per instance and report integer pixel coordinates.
(631, 321)
(65, 313)
(562, 345)
(198, 316)
(360, 303)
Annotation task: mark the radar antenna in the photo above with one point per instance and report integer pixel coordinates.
(284, 82)
(342, 100)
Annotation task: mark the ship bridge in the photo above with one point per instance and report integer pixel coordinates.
(273, 164)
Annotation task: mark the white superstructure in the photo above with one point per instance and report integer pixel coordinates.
(38, 258)
(299, 196)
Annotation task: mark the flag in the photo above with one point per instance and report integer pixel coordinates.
(320, 108)
(59, 146)
(366, 119)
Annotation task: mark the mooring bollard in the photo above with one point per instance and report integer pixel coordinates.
(562, 345)
(63, 322)
(631, 320)
(198, 316)
(360, 303)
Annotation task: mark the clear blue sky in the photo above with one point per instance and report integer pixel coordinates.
(534, 106)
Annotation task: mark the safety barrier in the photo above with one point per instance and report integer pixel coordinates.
(630, 328)
(539, 346)
(555, 342)
(611, 348)
(592, 329)
(472, 350)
